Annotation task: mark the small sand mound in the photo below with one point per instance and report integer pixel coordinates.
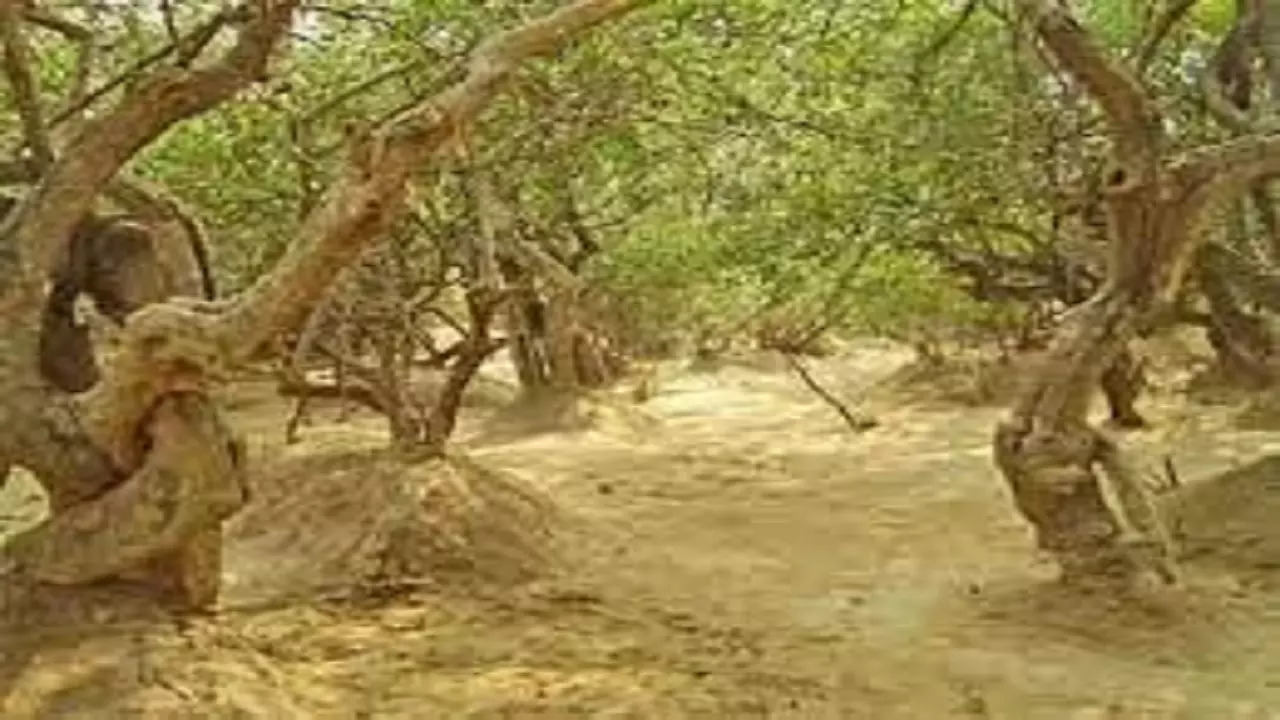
(354, 520)
(1231, 520)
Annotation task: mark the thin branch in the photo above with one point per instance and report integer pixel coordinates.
(857, 423)
(77, 34)
(1226, 82)
(946, 37)
(1209, 173)
(170, 23)
(43, 223)
(190, 47)
(297, 385)
(72, 31)
(23, 83)
(360, 88)
(1164, 25)
(186, 51)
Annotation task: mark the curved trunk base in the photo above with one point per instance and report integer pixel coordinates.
(1060, 468)
(161, 526)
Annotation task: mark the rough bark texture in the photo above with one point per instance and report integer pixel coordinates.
(139, 470)
(1244, 343)
(1054, 461)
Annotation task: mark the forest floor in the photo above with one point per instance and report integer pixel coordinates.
(727, 549)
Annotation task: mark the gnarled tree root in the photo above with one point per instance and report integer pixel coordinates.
(161, 526)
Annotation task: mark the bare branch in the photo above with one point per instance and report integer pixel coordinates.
(90, 97)
(26, 90)
(857, 423)
(170, 24)
(1269, 42)
(72, 31)
(944, 38)
(188, 48)
(1135, 121)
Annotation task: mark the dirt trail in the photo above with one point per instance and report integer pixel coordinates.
(739, 555)
(886, 573)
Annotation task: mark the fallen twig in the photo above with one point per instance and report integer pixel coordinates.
(857, 422)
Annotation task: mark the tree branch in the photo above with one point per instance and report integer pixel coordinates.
(43, 223)
(22, 81)
(178, 346)
(156, 205)
(74, 33)
(857, 423)
(1210, 173)
(1173, 13)
(1226, 82)
(940, 43)
(1135, 121)
(369, 193)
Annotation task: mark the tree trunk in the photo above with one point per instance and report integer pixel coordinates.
(1051, 458)
(139, 470)
(1053, 461)
(1242, 342)
(476, 348)
(1122, 383)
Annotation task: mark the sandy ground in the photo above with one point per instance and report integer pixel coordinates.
(726, 550)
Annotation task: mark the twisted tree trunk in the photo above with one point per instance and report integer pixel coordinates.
(139, 469)
(1054, 461)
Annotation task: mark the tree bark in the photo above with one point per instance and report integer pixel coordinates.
(1053, 460)
(138, 469)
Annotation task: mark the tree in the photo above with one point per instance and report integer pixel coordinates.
(140, 469)
(1053, 460)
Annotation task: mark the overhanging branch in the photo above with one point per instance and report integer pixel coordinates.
(75, 33)
(1164, 25)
